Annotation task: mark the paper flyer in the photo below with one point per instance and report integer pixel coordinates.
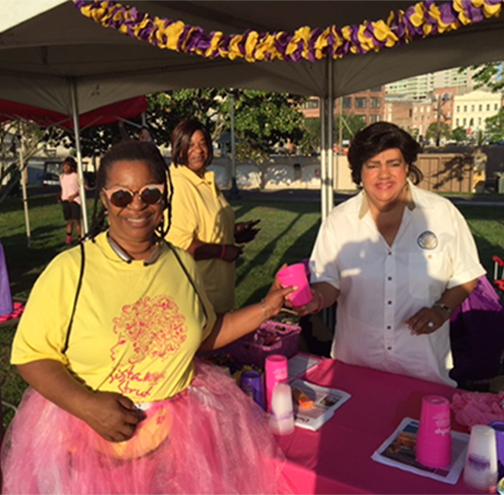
(399, 450)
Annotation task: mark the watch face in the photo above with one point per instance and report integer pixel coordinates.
(427, 240)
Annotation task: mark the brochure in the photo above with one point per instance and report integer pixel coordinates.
(300, 364)
(314, 405)
(399, 450)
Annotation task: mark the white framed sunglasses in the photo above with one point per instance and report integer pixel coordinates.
(121, 196)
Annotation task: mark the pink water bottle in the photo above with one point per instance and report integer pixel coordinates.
(276, 371)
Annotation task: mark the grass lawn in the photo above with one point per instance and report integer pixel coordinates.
(288, 231)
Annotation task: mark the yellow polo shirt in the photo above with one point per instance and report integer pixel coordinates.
(199, 210)
(136, 327)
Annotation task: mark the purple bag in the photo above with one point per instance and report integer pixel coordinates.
(6, 307)
(477, 335)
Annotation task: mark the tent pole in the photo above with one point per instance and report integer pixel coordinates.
(340, 141)
(323, 156)
(330, 139)
(234, 192)
(80, 172)
(23, 172)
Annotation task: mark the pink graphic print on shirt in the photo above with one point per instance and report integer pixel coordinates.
(153, 328)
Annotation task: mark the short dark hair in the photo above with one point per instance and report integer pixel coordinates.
(70, 161)
(131, 150)
(379, 137)
(181, 140)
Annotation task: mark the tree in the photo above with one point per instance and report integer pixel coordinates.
(495, 126)
(351, 124)
(459, 134)
(432, 131)
(310, 139)
(488, 75)
(262, 120)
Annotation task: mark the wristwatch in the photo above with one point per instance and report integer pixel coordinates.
(444, 307)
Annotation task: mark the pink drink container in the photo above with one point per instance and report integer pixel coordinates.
(434, 441)
(275, 369)
(295, 275)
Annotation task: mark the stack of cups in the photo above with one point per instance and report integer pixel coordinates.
(276, 371)
(480, 470)
(434, 442)
(295, 275)
(279, 395)
(282, 414)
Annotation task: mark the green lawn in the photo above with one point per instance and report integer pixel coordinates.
(288, 231)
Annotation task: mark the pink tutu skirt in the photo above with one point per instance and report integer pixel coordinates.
(211, 438)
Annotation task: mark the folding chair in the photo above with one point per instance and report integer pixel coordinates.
(498, 265)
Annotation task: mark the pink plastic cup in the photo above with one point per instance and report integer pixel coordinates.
(275, 369)
(295, 275)
(434, 441)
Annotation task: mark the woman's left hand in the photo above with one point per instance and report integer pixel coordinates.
(427, 320)
(244, 231)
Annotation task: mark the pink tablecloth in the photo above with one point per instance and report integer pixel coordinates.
(337, 458)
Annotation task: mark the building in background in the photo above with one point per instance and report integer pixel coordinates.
(367, 104)
(420, 87)
(472, 109)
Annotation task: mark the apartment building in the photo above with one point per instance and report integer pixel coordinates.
(472, 109)
(419, 88)
(368, 104)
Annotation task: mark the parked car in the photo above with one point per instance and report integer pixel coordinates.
(49, 179)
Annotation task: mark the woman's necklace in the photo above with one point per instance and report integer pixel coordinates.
(154, 250)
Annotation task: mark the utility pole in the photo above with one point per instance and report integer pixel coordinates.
(440, 104)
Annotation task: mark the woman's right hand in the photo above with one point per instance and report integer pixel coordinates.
(307, 309)
(112, 416)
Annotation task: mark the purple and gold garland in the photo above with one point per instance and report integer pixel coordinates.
(418, 21)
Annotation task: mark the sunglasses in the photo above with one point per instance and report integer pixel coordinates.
(121, 197)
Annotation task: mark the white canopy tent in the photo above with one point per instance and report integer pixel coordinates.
(53, 57)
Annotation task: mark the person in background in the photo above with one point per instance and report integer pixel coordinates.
(203, 222)
(70, 198)
(145, 135)
(117, 402)
(397, 259)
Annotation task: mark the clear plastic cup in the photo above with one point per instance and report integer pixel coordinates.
(480, 470)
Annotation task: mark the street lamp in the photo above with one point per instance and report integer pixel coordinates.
(440, 103)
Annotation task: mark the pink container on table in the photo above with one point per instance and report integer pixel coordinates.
(295, 275)
(275, 369)
(434, 441)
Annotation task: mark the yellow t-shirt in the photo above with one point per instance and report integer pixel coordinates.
(136, 328)
(199, 210)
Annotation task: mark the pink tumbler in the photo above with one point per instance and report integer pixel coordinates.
(295, 275)
(434, 442)
(276, 371)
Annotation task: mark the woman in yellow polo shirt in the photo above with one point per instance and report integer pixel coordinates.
(117, 403)
(202, 221)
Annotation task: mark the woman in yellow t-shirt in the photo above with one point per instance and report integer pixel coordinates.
(203, 223)
(117, 402)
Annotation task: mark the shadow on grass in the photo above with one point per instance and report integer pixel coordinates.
(24, 264)
(294, 254)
